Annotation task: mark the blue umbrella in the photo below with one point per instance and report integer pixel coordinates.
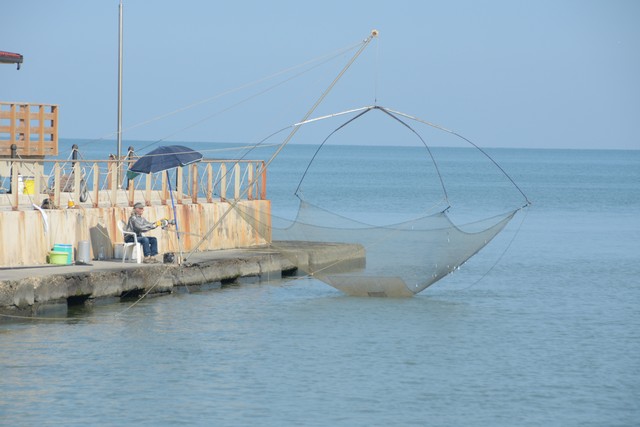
(165, 158)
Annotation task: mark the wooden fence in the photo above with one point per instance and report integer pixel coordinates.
(33, 128)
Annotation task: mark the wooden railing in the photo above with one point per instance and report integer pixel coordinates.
(33, 128)
(94, 183)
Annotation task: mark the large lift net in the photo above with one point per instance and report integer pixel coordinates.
(397, 259)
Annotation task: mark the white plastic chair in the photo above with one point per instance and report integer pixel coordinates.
(130, 248)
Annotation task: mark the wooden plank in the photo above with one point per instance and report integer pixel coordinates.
(194, 183)
(223, 182)
(250, 183)
(147, 188)
(113, 183)
(15, 191)
(179, 186)
(96, 185)
(236, 189)
(263, 192)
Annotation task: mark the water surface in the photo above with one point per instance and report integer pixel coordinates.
(540, 328)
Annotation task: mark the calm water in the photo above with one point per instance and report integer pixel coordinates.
(540, 328)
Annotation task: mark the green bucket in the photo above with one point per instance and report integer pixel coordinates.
(59, 258)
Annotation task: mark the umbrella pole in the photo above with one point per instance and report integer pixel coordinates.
(175, 218)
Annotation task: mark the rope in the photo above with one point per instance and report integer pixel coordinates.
(323, 142)
(290, 136)
(321, 59)
(474, 145)
(295, 128)
(435, 164)
(209, 117)
(366, 110)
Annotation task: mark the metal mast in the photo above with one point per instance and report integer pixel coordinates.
(119, 131)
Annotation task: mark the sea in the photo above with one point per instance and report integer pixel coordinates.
(540, 328)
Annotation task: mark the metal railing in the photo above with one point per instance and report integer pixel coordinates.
(94, 183)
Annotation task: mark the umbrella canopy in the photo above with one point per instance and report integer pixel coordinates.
(164, 158)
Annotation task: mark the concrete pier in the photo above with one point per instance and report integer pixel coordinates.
(33, 291)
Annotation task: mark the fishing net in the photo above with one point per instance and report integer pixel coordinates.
(362, 260)
(330, 239)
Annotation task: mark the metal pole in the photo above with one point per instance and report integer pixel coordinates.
(14, 155)
(74, 154)
(119, 132)
(175, 218)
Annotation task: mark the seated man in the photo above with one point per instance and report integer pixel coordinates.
(139, 225)
(49, 202)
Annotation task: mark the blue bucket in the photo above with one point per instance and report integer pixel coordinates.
(61, 247)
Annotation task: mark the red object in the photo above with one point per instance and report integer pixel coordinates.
(11, 58)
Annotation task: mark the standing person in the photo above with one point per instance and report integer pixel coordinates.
(139, 225)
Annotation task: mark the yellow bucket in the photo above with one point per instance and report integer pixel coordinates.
(29, 186)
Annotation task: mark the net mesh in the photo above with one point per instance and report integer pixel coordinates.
(397, 260)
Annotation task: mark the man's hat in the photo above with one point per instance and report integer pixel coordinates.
(138, 205)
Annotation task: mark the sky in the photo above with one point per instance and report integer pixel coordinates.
(521, 74)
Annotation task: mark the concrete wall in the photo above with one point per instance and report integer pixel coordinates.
(26, 237)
